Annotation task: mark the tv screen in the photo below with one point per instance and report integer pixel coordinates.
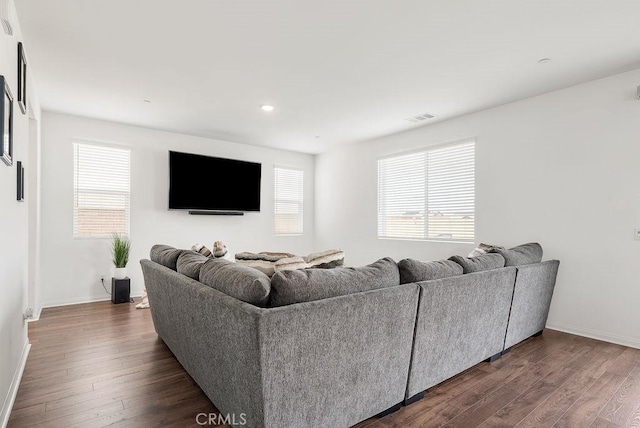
(198, 182)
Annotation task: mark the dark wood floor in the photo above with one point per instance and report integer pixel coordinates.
(99, 364)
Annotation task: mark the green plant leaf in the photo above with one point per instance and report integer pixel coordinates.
(120, 248)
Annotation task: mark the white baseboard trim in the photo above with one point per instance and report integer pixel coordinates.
(75, 302)
(598, 335)
(15, 384)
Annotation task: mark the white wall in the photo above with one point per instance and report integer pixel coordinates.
(14, 230)
(70, 268)
(561, 169)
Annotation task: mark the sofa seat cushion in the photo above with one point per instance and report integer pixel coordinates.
(414, 271)
(189, 263)
(524, 254)
(166, 255)
(326, 259)
(479, 263)
(306, 285)
(239, 281)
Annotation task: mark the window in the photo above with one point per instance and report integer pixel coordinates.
(101, 191)
(428, 194)
(288, 201)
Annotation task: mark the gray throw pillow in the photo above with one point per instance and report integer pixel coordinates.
(414, 271)
(189, 263)
(521, 255)
(479, 263)
(484, 249)
(239, 281)
(306, 285)
(166, 255)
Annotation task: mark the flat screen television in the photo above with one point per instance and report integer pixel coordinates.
(207, 183)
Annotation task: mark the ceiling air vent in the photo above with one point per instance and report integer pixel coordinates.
(420, 117)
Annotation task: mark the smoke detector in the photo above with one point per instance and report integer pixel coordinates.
(420, 117)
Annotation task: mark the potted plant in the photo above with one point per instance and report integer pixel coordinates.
(120, 248)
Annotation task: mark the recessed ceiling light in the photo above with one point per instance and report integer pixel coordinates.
(317, 136)
(266, 107)
(544, 60)
(147, 101)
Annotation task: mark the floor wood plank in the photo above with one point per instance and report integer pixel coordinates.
(99, 364)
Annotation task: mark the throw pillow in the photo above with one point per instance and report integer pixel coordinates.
(201, 249)
(325, 259)
(242, 282)
(264, 262)
(189, 263)
(522, 254)
(166, 255)
(483, 249)
(219, 249)
(479, 263)
(290, 263)
(414, 271)
(306, 285)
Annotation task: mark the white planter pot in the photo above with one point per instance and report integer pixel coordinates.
(120, 273)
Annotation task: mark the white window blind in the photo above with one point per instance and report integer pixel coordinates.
(288, 201)
(101, 191)
(429, 194)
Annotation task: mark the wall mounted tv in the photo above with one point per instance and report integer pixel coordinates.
(207, 184)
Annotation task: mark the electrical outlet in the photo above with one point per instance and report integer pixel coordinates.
(28, 313)
(636, 234)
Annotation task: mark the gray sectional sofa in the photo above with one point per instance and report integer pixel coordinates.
(374, 337)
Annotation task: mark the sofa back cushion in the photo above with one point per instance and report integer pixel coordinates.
(414, 271)
(189, 263)
(479, 263)
(524, 254)
(306, 285)
(239, 281)
(166, 255)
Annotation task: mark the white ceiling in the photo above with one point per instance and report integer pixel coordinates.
(343, 70)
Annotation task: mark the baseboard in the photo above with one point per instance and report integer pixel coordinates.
(598, 335)
(36, 315)
(15, 384)
(75, 302)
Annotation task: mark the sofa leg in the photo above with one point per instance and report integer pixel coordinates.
(538, 333)
(390, 410)
(506, 351)
(413, 399)
(492, 358)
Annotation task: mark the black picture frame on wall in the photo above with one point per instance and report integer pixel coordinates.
(22, 79)
(6, 123)
(20, 187)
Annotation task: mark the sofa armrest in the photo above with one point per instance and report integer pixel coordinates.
(531, 300)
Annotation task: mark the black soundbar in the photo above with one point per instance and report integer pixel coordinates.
(207, 212)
